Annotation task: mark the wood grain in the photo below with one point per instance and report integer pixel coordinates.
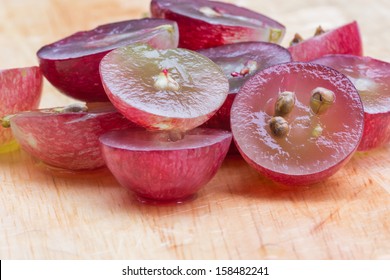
(239, 215)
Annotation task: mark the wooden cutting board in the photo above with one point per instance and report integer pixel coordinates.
(238, 215)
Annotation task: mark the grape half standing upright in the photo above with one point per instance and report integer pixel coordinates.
(172, 89)
(205, 24)
(20, 90)
(157, 169)
(371, 78)
(72, 63)
(297, 123)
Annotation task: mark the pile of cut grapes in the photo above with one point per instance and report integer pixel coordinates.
(164, 99)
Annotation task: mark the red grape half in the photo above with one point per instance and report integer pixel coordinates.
(345, 39)
(172, 89)
(371, 78)
(67, 137)
(158, 169)
(206, 24)
(309, 142)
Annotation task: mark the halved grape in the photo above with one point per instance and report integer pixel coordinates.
(313, 140)
(344, 39)
(239, 62)
(157, 169)
(371, 78)
(67, 137)
(72, 63)
(205, 24)
(173, 89)
(20, 89)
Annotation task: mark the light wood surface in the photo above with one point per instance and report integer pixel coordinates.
(238, 215)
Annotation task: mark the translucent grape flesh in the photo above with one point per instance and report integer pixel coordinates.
(235, 57)
(371, 78)
(300, 153)
(129, 75)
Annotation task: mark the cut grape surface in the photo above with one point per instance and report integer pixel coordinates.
(297, 123)
(205, 24)
(67, 137)
(20, 90)
(72, 63)
(345, 39)
(239, 62)
(371, 78)
(173, 89)
(156, 168)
